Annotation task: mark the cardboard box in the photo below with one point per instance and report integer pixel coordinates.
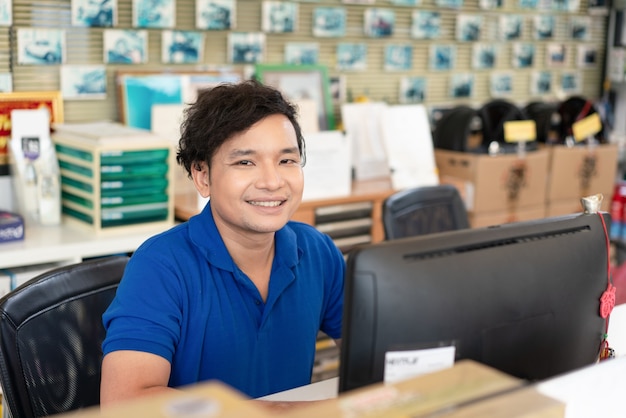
(211, 399)
(481, 219)
(496, 183)
(467, 386)
(567, 206)
(114, 178)
(579, 171)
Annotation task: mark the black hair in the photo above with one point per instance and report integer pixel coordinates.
(224, 111)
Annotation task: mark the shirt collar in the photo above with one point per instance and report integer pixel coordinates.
(204, 234)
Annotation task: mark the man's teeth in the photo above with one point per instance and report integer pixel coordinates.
(266, 204)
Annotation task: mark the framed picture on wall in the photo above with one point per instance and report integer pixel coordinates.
(40, 46)
(156, 14)
(216, 14)
(123, 46)
(6, 13)
(138, 91)
(279, 16)
(246, 47)
(302, 82)
(24, 100)
(181, 47)
(83, 82)
(94, 13)
(329, 22)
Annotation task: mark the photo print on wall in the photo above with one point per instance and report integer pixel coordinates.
(216, 14)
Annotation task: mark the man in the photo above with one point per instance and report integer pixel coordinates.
(238, 293)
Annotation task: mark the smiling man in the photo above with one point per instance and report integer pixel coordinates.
(239, 292)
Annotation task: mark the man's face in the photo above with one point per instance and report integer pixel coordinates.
(256, 179)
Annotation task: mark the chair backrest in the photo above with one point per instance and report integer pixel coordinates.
(424, 210)
(51, 337)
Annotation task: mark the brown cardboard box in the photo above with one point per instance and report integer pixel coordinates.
(577, 172)
(567, 206)
(435, 394)
(481, 219)
(498, 183)
(211, 399)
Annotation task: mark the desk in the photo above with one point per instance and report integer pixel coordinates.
(593, 391)
(374, 191)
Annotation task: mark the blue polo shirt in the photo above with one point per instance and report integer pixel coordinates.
(183, 298)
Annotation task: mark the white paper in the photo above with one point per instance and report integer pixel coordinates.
(362, 121)
(616, 64)
(400, 365)
(307, 115)
(328, 168)
(409, 147)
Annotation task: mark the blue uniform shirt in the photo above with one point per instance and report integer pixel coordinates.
(183, 298)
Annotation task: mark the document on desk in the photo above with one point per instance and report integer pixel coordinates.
(400, 365)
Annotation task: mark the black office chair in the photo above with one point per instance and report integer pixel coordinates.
(51, 335)
(424, 210)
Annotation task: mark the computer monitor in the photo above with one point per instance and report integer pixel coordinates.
(523, 298)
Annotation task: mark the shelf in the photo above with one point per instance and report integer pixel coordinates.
(68, 244)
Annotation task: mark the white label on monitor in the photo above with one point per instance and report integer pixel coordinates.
(400, 365)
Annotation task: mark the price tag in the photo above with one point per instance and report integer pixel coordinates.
(520, 131)
(586, 127)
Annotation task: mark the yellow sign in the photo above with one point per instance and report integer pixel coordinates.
(520, 131)
(586, 127)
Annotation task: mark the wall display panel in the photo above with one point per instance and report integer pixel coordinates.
(420, 26)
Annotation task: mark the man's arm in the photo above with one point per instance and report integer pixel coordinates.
(130, 374)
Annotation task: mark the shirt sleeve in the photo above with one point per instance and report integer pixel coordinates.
(145, 314)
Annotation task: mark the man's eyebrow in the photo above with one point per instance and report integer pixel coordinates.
(237, 153)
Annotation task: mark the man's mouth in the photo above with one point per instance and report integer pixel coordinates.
(266, 204)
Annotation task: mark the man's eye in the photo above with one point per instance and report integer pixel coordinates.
(289, 161)
(244, 162)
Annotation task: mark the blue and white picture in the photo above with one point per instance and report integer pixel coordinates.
(351, 56)
(587, 56)
(541, 83)
(329, 22)
(157, 14)
(544, 26)
(94, 13)
(6, 13)
(125, 46)
(405, 2)
(484, 55)
(246, 47)
(523, 55)
(398, 57)
(425, 25)
(216, 14)
(511, 27)
(40, 46)
(279, 16)
(302, 53)
(462, 85)
(570, 82)
(566, 5)
(556, 55)
(528, 4)
(412, 90)
(83, 82)
(6, 82)
(181, 47)
(501, 84)
(579, 27)
(468, 27)
(442, 57)
(490, 4)
(449, 4)
(379, 22)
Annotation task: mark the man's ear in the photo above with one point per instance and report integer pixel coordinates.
(200, 176)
